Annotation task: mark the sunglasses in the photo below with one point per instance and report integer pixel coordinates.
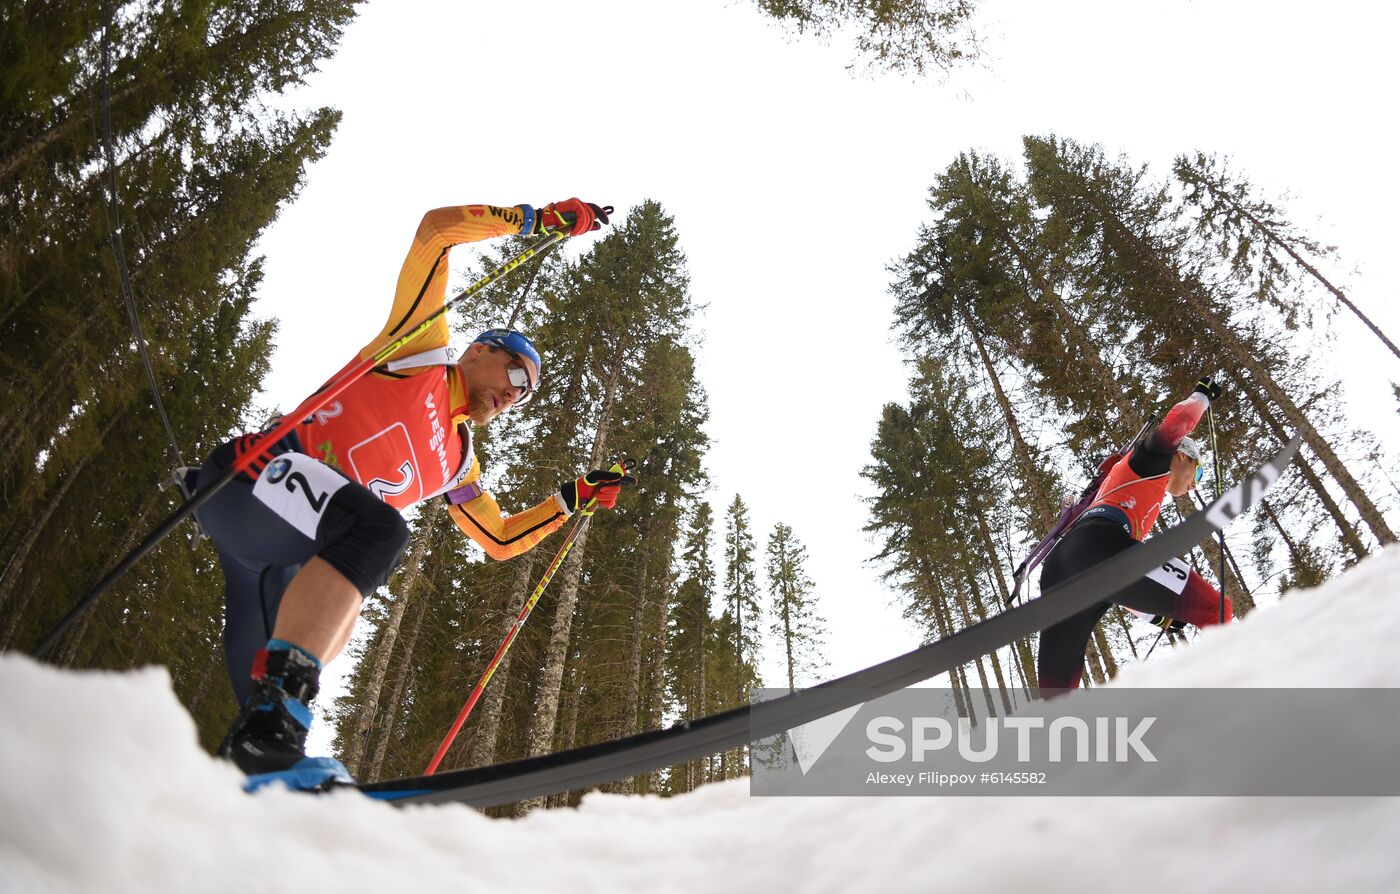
(1200, 472)
(519, 377)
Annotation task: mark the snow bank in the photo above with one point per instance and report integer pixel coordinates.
(103, 788)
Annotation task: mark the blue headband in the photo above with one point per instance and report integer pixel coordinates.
(511, 340)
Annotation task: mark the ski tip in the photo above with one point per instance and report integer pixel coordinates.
(312, 774)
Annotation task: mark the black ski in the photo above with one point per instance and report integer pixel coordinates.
(617, 759)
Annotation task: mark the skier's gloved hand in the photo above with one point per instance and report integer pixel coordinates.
(603, 484)
(1210, 388)
(1171, 625)
(577, 216)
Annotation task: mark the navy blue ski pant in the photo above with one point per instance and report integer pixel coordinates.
(262, 543)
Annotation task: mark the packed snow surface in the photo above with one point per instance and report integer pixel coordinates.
(103, 788)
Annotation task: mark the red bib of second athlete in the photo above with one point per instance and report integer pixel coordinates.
(1140, 499)
(391, 432)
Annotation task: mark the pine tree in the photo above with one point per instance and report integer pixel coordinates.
(741, 586)
(634, 287)
(202, 166)
(1179, 315)
(976, 285)
(796, 625)
(937, 484)
(691, 632)
(1251, 232)
(909, 36)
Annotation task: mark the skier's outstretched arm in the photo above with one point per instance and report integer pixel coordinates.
(478, 515)
(1179, 422)
(506, 536)
(422, 284)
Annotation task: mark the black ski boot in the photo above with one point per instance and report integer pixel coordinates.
(268, 740)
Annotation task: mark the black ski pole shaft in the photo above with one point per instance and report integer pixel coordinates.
(1161, 634)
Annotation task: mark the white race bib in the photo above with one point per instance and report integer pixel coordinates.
(1171, 574)
(298, 488)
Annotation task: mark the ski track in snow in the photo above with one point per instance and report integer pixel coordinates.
(104, 788)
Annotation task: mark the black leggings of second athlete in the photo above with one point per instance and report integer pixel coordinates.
(1061, 660)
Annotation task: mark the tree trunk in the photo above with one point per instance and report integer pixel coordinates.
(1297, 560)
(1122, 618)
(696, 708)
(65, 360)
(1043, 516)
(1242, 599)
(986, 684)
(1022, 646)
(388, 729)
(657, 697)
(1095, 663)
(70, 646)
(1298, 259)
(485, 738)
(33, 146)
(944, 628)
(540, 734)
(981, 669)
(787, 638)
(962, 698)
(1105, 652)
(980, 605)
(1348, 531)
(201, 687)
(632, 695)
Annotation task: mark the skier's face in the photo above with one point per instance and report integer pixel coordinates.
(496, 380)
(1182, 477)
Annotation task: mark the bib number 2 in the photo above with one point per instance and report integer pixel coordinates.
(297, 488)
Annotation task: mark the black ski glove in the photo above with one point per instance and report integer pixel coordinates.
(1210, 388)
(602, 485)
(1171, 625)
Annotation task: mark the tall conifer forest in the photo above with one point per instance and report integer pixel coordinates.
(1049, 307)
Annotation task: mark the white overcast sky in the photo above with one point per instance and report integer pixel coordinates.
(793, 184)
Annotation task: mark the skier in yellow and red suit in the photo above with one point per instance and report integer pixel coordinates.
(313, 526)
(1165, 461)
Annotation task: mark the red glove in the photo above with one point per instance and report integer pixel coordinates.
(602, 484)
(577, 216)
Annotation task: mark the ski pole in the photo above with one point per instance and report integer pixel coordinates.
(308, 407)
(1215, 458)
(584, 514)
(1154, 644)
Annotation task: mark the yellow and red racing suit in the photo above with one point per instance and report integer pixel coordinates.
(402, 430)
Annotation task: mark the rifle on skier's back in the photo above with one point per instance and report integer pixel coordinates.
(1070, 510)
